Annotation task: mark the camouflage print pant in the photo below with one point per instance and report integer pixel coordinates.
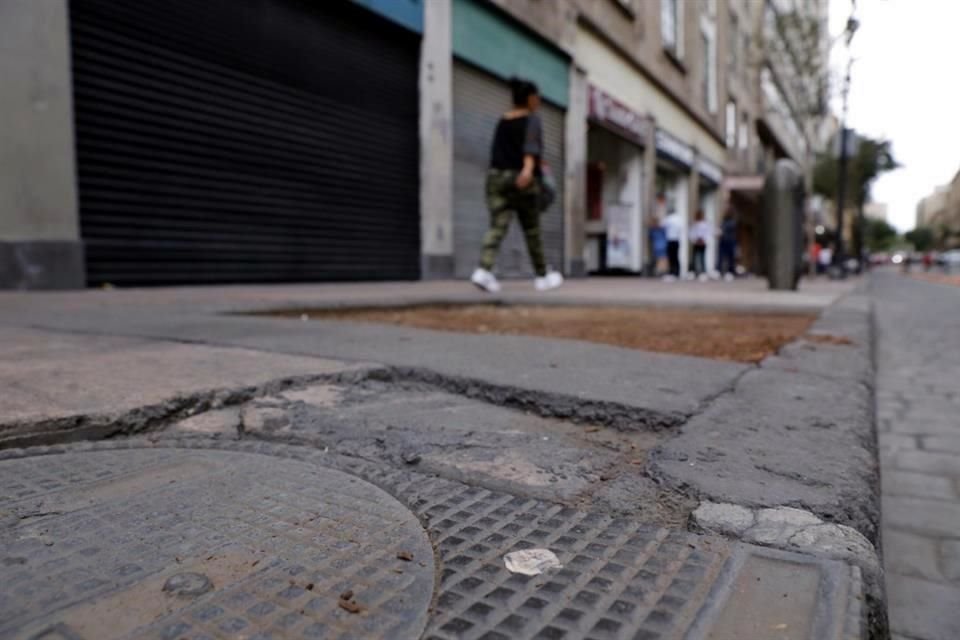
(503, 199)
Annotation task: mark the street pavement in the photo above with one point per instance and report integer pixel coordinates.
(918, 413)
(259, 477)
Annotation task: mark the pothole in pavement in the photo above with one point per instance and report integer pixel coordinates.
(721, 335)
(430, 431)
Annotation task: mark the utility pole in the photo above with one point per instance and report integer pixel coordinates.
(839, 267)
(839, 260)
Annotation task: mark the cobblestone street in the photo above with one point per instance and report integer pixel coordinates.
(918, 402)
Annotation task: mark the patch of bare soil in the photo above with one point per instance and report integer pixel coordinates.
(740, 337)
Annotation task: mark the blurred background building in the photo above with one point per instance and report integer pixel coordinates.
(180, 142)
(940, 213)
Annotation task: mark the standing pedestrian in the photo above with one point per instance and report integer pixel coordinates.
(658, 247)
(825, 258)
(700, 234)
(728, 246)
(673, 229)
(515, 186)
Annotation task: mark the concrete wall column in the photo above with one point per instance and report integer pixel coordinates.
(575, 175)
(40, 244)
(649, 184)
(436, 141)
(693, 203)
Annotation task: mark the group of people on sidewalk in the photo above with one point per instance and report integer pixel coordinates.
(666, 235)
(520, 183)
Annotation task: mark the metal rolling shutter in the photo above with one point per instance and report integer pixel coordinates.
(245, 141)
(479, 100)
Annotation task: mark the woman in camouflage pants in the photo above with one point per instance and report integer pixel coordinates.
(514, 185)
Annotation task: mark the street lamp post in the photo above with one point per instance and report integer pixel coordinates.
(839, 259)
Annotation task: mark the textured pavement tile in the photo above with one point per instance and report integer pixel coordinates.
(948, 444)
(923, 609)
(910, 554)
(947, 464)
(950, 559)
(931, 517)
(920, 485)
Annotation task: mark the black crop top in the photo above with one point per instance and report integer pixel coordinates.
(515, 138)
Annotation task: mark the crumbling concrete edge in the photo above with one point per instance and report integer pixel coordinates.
(799, 531)
(788, 528)
(151, 417)
(147, 418)
(547, 404)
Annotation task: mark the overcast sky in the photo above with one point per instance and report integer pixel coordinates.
(905, 87)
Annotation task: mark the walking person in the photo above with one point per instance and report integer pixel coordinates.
(673, 228)
(515, 186)
(728, 246)
(700, 234)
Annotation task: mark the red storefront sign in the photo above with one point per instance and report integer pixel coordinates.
(609, 111)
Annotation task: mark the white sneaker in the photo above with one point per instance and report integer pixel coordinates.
(728, 277)
(485, 280)
(669, 278)
(703, 277)
(552, 280)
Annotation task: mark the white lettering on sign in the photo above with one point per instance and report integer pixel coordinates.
(677, 150)
(710, 171)
(609, 110)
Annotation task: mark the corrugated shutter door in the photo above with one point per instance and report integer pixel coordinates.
(255, 141)
(479, 100)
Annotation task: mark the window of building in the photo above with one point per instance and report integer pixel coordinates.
(671, 26)
(744, 52)
(708, 46)
(705, 48)
(627, 6)
(731, 124)
(744, 132)
(734, 42)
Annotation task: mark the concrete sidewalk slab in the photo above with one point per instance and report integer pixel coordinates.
(747, 294)
(566, 378)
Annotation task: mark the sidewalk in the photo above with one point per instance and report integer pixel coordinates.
(266, 477)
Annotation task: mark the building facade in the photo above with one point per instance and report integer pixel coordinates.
(940, 212)
(177, 143)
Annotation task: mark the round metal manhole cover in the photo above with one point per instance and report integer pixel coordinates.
(177, 543)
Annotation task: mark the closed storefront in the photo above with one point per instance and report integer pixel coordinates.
(261, 141)
(488, 50)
